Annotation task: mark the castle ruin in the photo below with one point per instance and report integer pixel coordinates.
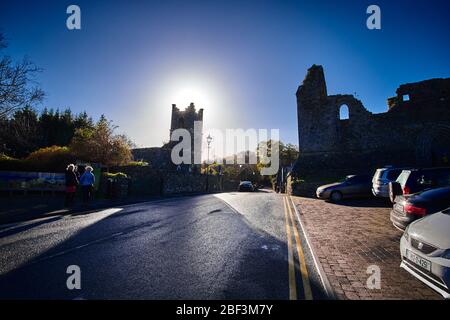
(415, 131)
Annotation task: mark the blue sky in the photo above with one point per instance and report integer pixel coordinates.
(240, 60)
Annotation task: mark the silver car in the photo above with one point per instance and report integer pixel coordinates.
(425, 251)
(351, 187)
(381, 179)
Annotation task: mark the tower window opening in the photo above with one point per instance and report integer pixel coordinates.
(343, 112)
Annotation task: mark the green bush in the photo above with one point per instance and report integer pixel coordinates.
(52, 159)
(11, 164)
(137, 163)
(115, 175)
(296, 181)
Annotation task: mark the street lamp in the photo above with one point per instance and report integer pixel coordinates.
(208, 141)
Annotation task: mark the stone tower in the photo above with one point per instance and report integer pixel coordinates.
(314, 120)
(185, 120)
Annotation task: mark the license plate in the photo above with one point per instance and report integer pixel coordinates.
(398, 207)
(421, 262)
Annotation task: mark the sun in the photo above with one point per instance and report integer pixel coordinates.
(197, 93)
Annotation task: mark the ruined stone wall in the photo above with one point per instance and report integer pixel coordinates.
(412, 133)
(175, 183)
(158, 158)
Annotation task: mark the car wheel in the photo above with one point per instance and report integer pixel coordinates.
(336, 196)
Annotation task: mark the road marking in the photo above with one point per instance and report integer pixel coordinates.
(323, 278)
(292, 285)
(301, 257)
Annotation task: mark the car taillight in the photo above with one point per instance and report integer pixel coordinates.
(410, 209)
(406, 190)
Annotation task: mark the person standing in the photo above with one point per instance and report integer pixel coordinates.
(71, 185)
(87, 181)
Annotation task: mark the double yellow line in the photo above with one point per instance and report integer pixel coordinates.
(290, 223)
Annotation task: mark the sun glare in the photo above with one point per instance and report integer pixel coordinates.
(184, 91)
(183, 96)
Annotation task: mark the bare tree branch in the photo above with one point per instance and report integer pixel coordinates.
(18, 86)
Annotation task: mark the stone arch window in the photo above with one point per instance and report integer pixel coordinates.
(343, 112)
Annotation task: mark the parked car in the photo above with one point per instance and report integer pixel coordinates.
(351, 187)
(425, 251)
(381, 179)
(415, 180)
(408, 208)
(245, 186)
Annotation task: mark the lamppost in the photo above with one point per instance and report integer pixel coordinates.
(208, 141)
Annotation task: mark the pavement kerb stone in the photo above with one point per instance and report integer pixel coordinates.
(323, 276)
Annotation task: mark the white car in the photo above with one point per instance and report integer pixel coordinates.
(425, 251)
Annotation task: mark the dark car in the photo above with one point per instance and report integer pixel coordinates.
(245, 186)
(408, 208)
(416, 180)
(351, 187)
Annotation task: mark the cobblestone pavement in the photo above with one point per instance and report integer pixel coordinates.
(349, 237)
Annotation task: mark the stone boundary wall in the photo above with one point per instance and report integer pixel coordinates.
(146, 180)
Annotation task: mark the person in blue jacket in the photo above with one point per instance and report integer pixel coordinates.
(87, 181)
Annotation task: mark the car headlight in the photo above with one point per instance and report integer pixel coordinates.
(446, 254)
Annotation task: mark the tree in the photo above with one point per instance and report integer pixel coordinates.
(100, 144)
(288, 153)
(18, 87)
(21, 134)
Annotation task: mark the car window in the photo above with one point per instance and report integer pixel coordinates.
(443, 179)
(425, 179)
(360, 179)
(393, 174)
(433, 178)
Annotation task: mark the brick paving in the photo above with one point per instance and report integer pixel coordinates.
(349, 237)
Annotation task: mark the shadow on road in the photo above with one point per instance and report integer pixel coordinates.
(161, 252)
(12, 231)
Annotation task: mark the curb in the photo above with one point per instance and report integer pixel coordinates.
(322, 275)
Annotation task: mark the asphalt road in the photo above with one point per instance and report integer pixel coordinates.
(224, 246)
